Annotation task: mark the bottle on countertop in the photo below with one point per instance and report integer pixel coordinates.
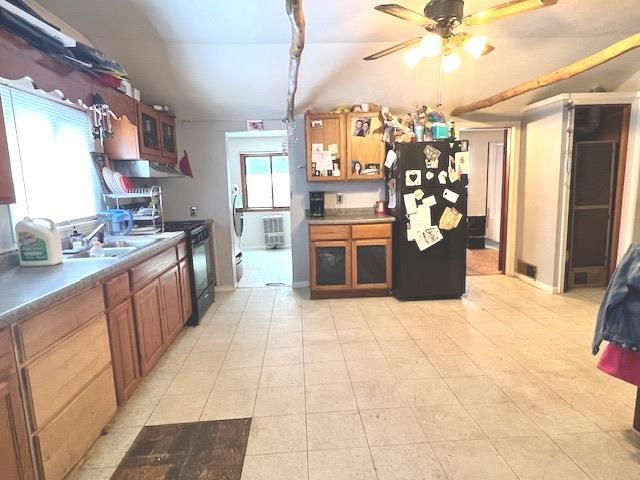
(76, 239)
(39, 242)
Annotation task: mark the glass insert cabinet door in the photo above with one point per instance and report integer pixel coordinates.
(331, 265)
(371, 264)
(149, 128)
(169, 139)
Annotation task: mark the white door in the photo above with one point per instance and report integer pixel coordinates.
(495, 167)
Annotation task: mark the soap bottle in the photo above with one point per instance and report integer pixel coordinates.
(96, 249)
(39, 242)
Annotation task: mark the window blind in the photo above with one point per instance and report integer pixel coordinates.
(49, 149)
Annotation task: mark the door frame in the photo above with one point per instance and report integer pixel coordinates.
(504, 195)
(509, 220)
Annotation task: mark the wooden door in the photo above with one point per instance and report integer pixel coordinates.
(124, 350)
(371, 264)
(149, 132)
(171, 303)
(365, 148)
(331, 265)
(185, 289)
(495, 177)
(591, 216)
(7, 194)
(15, 456)
(325, 133)
(148, 315)
(168, 137)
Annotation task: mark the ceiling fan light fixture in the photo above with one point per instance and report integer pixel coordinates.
(431, 45)
(475, 46)
(451, 62)
(413, 56)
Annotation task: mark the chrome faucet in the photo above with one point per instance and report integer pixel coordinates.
(93, 233)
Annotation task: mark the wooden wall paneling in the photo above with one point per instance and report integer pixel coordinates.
(367, 150)
(124, 350)
(331, 132)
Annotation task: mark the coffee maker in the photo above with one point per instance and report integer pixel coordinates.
(316, 204)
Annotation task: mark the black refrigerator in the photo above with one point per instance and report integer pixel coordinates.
(427, 193)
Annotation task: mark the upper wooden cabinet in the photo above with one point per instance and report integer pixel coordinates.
(344, 146)
(6, 182)
(365, 148)
(325, 133)
(150, 135)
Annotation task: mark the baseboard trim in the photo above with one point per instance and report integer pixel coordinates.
(534, 283)
(304, 284)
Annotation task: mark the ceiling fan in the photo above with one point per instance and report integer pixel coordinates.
(441, 20)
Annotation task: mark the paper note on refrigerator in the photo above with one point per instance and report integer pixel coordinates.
(451, 196)
(421, 220)
(391, 159)
(432, 155)
(391, 185)
(419, 194)
(432, 235)
(317, 147)
(430, 201)
(442, 177)
(411, 233)
(430, 175)
(410, 203)
(450, 219)
(453, 175)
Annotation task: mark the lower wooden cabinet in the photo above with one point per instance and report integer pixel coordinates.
(350, 260)
(185, 288)
(124, 350)
(15, 454)
(371, 264)
(331, 265)
(149, 325)
(171, 303)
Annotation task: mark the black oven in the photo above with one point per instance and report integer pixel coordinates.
(199, 242)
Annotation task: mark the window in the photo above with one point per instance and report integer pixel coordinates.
(49, 148)
(265, 181)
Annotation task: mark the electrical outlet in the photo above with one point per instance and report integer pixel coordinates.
(194, 211)
(339, 198)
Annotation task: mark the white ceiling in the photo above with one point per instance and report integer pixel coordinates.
(211, 59)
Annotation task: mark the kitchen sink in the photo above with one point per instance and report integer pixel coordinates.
(134, 243)
(107, 252)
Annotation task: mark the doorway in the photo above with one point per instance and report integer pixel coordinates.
(265, 236)
(595, 201)
(488, 200)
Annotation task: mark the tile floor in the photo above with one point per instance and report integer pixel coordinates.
(498, 385)
(262, 267)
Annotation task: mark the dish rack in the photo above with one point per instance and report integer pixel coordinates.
(147, 219)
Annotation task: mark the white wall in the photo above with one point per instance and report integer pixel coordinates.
(540, 198)
(253, 235)
(205, 144)
(632, 84)
(478, 156)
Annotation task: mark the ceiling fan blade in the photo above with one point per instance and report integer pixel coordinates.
(507, 9)
(405, 14)
(488, 49)
(395, 48)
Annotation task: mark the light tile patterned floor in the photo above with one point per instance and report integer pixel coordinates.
(498, 385)
(264, 266)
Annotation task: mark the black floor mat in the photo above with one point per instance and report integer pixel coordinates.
(187, 451)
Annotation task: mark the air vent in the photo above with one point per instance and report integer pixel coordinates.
(527, 269)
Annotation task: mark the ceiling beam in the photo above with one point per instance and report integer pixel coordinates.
(565, 73)
(298, 29)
